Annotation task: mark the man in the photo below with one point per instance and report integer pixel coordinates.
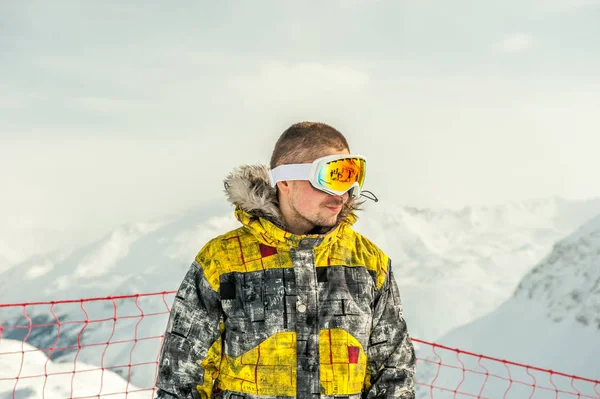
(293, 304)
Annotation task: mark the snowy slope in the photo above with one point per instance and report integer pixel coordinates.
(27, 362)
(20, 242)
(455, 266)
(567, 282)
(553, 319)
(452, 266)
(136, 258)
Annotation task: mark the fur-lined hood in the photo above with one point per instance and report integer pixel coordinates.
(249, 189)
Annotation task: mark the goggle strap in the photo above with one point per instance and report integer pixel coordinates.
(298, 171)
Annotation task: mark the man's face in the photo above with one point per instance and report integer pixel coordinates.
(308, 207)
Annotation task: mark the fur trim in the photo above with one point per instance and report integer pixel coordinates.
(248, 187)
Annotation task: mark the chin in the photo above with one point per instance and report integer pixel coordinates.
(329, 223)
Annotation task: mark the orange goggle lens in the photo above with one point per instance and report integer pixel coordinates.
(339, 175)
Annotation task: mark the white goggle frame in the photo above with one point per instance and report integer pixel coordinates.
(310, 172)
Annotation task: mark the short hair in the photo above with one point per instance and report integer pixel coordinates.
(303, 142)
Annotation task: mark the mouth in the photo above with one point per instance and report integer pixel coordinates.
(336, 208)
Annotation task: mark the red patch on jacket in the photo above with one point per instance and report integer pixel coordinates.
(353, 352)
(265, 250)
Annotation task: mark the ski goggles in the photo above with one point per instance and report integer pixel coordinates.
(333, 174)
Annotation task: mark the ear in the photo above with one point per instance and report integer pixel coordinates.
(284, 186)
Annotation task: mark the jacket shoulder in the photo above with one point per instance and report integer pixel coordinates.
(366, 253)
(216, 255)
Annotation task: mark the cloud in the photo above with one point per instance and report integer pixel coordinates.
(298, 85)
(561, 5)
(514, 43)
(16, 101)
(278, 76)
(102, 104)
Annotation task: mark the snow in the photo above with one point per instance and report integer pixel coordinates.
(117, 332)
(25, 361)
(115, 247)
(137, 258)
(39, 270)
(568, 280)
(552, 321)
(520, 333)
(453, 267)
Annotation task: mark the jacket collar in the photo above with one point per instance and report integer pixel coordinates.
(248, 188)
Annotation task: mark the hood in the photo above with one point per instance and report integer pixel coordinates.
(249, 189)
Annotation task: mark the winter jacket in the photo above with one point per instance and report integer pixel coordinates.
(263, 313)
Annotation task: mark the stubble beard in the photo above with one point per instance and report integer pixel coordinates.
(318, 220)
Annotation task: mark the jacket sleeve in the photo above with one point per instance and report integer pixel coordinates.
(191, 350)
(391, 355)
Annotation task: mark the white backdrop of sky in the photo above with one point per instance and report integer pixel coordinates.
(112, 111)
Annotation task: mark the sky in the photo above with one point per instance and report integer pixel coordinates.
(114, 112)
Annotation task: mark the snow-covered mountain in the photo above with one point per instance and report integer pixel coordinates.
(27, 362)
(20, 243)
(553, 319)
(452, 266)
(455, 266)
(567, 282)
(136, 258)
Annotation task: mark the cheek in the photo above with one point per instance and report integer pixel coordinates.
(298, 200)
(307, 201)
(315, 201)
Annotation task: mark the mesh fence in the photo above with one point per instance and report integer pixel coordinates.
(108, 347)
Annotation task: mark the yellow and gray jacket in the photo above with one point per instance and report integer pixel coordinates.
(263, 313)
